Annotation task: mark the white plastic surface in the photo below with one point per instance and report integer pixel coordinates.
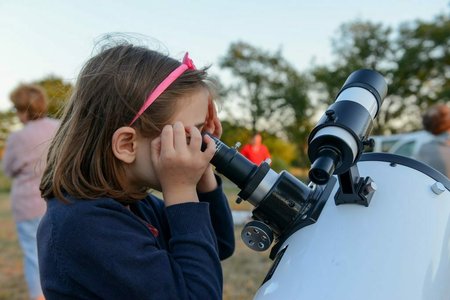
(397, 248)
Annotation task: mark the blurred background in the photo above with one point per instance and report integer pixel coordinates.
(278, 64)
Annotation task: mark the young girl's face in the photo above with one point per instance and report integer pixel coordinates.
(191, 110)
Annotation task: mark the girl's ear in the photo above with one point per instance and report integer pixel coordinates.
(212, 122)
(124, 144)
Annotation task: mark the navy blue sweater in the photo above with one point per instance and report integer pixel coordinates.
(99, 249)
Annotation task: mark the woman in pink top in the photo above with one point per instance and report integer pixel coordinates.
(24, 162)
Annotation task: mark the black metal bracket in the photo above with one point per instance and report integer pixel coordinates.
(354, 189)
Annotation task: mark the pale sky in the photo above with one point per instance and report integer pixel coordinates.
(39, 38)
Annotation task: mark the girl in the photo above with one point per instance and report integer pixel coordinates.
(134, 123)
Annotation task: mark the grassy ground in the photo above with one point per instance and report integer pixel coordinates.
(12, 284)
(243, 272)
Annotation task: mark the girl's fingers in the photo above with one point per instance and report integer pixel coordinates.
(195, 138)
(207, 127)
(155, 149)
(167, 138)
(209, 117)
(179, 136)
(217, 127)
(210, 146)
(211, 110)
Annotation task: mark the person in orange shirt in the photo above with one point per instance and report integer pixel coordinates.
(256, 151)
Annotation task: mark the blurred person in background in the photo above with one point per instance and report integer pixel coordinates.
(256, 151)
(24, 161)
(436, 153)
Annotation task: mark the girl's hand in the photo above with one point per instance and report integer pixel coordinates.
(179, 163)
(208, 182)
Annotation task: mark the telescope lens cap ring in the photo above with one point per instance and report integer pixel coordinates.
(318, 176)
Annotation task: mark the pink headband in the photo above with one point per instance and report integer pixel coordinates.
(187, 64)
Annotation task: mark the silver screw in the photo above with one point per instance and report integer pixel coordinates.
(438, 188)
(371, 187)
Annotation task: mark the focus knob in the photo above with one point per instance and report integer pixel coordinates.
(257, 235)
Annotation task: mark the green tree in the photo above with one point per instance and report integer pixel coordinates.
(283, 152)
(268, 93)
(358, 45)
(422, 75)
(58, 93)
(415, 63)
(295, 93)
(234, 133)
(7, 121)
(257, 88)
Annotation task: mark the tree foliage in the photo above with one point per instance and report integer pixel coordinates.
(415, 62)
(269, 93)
(58, 92)
(261, 80)
(422, 74)
(283, 152)
(7, 121)
(295, 94)
(358, 45)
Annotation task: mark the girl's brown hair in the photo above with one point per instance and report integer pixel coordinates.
(31, 99)
(110, 89)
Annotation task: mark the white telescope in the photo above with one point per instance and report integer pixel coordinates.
(396, 248)
(368, 226)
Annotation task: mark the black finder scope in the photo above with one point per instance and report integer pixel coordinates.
(338, 139)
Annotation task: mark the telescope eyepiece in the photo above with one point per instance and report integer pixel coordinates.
(324, 166)
(229, 162)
